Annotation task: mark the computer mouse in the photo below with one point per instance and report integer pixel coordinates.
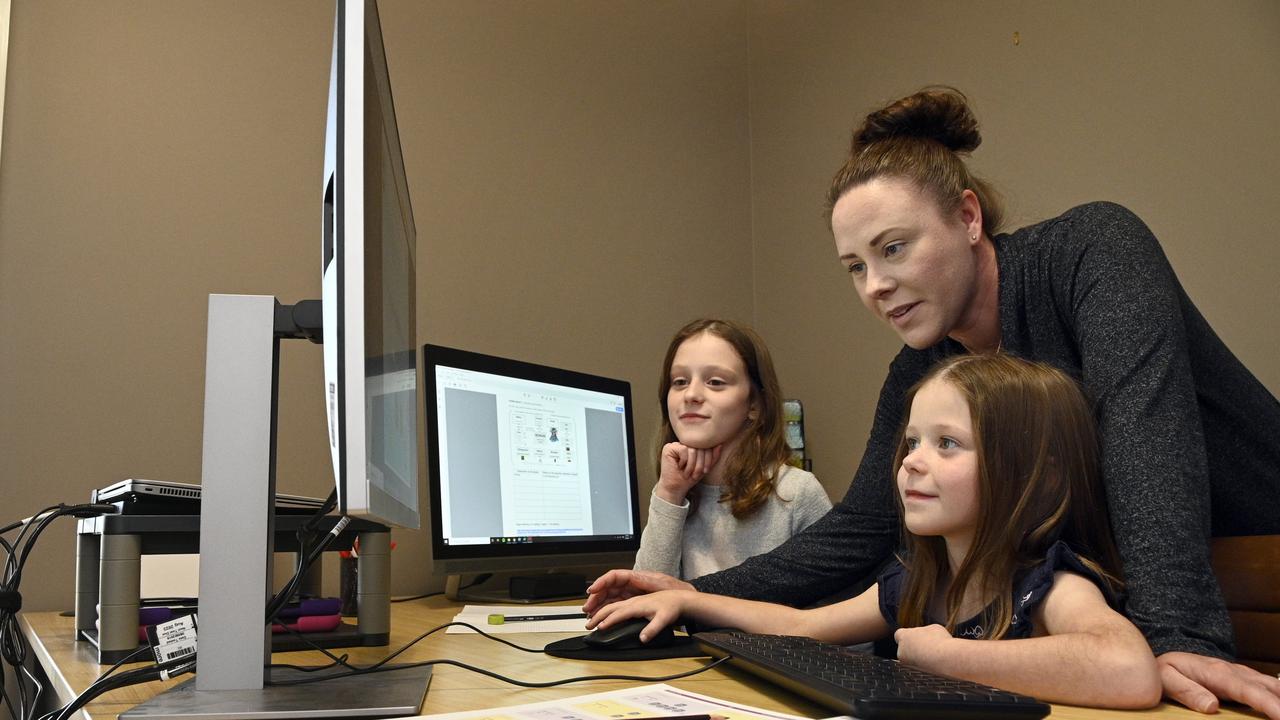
(626, 636)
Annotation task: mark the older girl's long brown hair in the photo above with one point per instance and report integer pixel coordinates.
(752, 472)
(1038, 482)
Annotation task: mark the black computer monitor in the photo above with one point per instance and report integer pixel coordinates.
(529, 467)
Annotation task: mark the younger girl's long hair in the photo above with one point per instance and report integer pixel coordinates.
(752, 472)
(1038, 482)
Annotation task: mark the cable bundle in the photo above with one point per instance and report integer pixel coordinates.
(13, 646)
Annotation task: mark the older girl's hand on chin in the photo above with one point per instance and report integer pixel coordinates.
(682, 468)
(617, 585)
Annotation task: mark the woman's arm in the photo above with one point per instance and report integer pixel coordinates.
(1091, 655)
(1117, 294)
(851, 621)
(1155, 368)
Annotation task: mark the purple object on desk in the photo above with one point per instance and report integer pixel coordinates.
(154, 615)
(311, 607)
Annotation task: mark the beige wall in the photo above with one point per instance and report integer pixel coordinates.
(585, 177)
(1169, 108)
(573, 173)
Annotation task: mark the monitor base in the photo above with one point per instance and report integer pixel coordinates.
(381, 694)
(454, 590)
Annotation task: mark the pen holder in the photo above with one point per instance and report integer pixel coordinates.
(348, 581)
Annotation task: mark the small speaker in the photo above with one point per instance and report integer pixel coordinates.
(546, 587)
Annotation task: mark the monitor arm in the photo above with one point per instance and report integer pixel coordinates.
(303, 320)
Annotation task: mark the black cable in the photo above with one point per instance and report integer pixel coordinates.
(418, 597)
(512, 681)
(336, 660)
(482, 577)
(306, 559)
(13, 646)
(424, 635)
(144, 650)
(438, 628)
(107, 684)
(381, 665)
(103, 679)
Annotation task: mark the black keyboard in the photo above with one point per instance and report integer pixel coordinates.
(861, 684)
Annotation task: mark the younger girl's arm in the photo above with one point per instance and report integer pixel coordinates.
(851, 621)
(1090, 655)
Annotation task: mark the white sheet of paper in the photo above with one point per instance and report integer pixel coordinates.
(635, 703)
(478, 615)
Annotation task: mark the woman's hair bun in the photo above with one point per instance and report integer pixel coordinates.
(938, 113)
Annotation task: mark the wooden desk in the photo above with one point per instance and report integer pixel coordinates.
(71, 667)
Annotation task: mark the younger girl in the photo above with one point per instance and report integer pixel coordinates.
(997, 479)
(724, 492)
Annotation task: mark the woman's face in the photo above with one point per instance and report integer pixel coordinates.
(912, 267)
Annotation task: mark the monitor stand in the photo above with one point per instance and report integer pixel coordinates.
(455, 591)
(236, 542)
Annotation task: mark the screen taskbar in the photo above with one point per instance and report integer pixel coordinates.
(535, 539)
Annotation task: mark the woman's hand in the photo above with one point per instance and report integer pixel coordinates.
(1198, 682)
(662, 608)
(617, 585)
(682, 468)
(924, 647)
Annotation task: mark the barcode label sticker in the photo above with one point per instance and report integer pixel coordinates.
(180, 650)
(173, 640)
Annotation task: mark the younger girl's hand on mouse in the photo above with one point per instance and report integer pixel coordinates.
(682, 468)
(662, 608)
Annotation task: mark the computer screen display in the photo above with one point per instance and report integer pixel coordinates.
(527, 460)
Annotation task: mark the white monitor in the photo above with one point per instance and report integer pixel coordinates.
(368, 327)
(368, 262)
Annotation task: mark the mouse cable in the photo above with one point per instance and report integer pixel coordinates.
(438, 628)
(375, 666)
(381, 665)
(512, 681)
(482, 577)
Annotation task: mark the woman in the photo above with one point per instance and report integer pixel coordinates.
(1189, 435)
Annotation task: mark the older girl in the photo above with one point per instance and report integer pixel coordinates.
(724, 492)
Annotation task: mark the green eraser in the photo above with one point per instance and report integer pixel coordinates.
(497, 619)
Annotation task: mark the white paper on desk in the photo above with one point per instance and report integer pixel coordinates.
(478, 615)
(630, 704)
